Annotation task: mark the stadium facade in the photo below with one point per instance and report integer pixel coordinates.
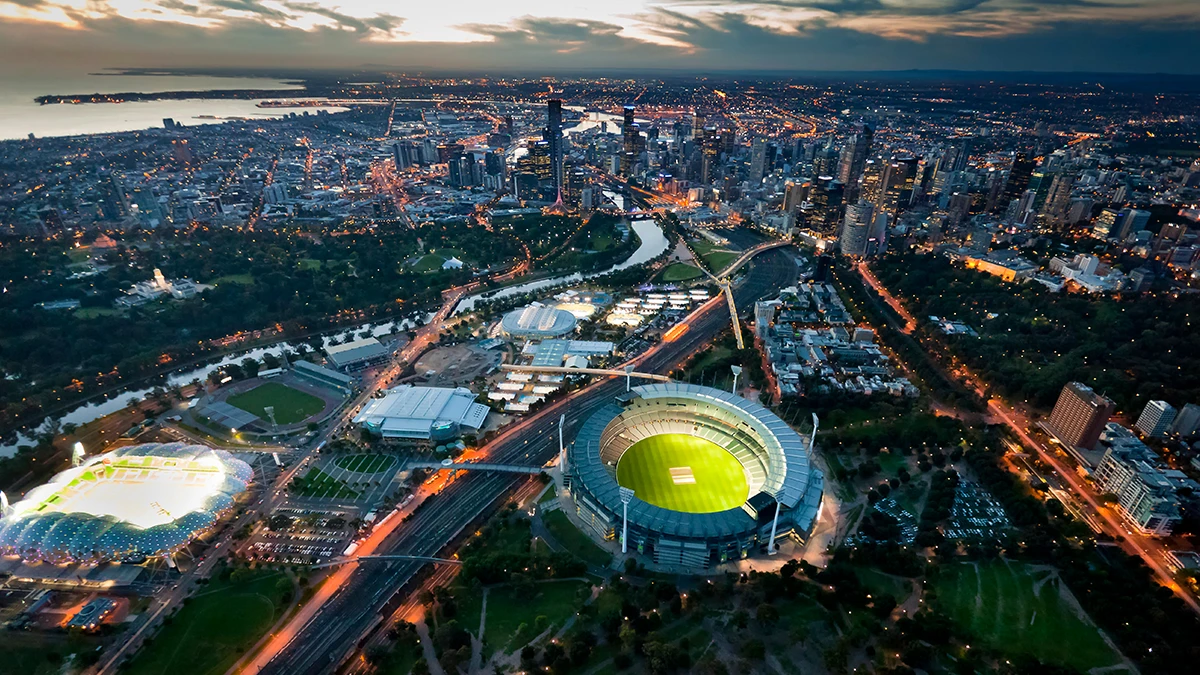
(132, 503)
(779, 473)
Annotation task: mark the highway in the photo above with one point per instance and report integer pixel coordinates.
(330, 634)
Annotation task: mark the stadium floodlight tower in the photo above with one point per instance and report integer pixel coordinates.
(628, 375)
(626, 497)
(737, 370)
(562, 447)
(77, 454)
(771, 548)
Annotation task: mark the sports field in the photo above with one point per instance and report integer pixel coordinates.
(291, 405)
(1018, 609)
(683, 473)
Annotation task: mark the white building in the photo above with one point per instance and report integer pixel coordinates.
(422, 413)
(1156, 419)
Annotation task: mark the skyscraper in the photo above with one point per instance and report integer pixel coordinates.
(554, 136)
(856, 227)
(1017, 182)
(860, 148)
(758, 160)
(631, 142)
(1079, 416)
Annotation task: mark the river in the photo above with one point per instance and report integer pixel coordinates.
(654, 242)
(89, 412)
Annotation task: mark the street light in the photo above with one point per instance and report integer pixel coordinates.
(626, 497)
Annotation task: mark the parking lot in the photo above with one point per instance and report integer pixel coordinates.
(976, 515)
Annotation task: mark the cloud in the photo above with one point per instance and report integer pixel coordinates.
(686, 35)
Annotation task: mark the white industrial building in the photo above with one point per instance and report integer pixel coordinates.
(422, 413)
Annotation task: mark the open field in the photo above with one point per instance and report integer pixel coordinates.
(569, 536)
(94, 312)
(215, 627)
(291, 405)
(681, 272)
(366, 463)
(683, 473)
(1016, 609)
(317, 483)
(512, 611)
(719, 260)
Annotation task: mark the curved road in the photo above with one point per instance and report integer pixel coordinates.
(331, 632)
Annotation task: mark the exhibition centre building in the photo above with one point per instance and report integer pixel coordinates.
(126, 505)
(709, 476)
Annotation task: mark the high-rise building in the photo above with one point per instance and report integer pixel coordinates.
(1079, 416)
(1017, 182)
(1107, 223)
(632, 142)
(851, 165)
(877, 234)
(758, 160)
(537, 161)
(794, 194)
(1156, 419)
(1187, 422)
(855, 228)
(399, 156)
(1135, 220)
(554, 136)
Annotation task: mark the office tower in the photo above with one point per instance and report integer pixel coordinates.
(399, 157)
(860, 148)
(1106, 224)
(758, 160)
(1018, 180)
(1079, 416)
(1059, 197)
(1187, 422)
(526, 186)
(962, 155)
(507, 127)
(899, 176)
(631, 137)
(855, 227)
(824, 271)
(455, 171)
(168, 123)
(493, 163)
(871, 186)
(877, 234)
(710, 150)
(1156, 419)
(537, 161)
(825, 162)
(794, 194)
(554, 136)
(1135, 220)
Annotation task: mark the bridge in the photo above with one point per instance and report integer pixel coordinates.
(582, 371)
(367, 558)
(722, 281)
(475, 466)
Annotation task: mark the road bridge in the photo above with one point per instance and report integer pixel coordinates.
(582, 371)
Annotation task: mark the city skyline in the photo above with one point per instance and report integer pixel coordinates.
(47, 36)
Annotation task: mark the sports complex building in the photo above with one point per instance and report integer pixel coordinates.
(712, 475)
(132, 503)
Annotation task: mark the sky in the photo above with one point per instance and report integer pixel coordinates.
(689, 36)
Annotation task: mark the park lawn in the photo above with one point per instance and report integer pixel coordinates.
(879, 583)
(240, 279)
(569, 537)
(703, 247)
(891, 462)
(448, 253)
(96, 312)
(291, 405)
(428, 263)
(215, 628)
(80, 254)
(513, 610)
(683, 473)
(309, 264)
(1001, 604)
(681, 272)
(30, 653)
(404, 655)
(317, 483)
(366, 463)
(547, 495)
(801, 611)
(719, 260)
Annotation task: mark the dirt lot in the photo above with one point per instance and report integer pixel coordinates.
(457, 365)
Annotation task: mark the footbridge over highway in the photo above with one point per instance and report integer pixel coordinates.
(583, 371)
(475, 466)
